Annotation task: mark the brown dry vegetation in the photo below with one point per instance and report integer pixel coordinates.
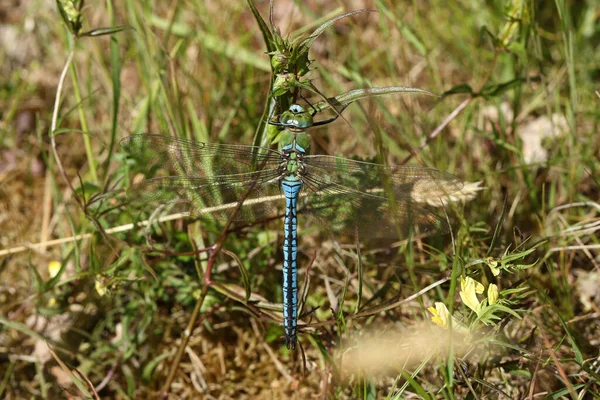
(111, 320)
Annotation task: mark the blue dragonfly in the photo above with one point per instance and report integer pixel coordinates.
(342, 195)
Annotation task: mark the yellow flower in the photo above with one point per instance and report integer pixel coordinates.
(469, 288)
(493, 264)
(53, 268)
(492, 294)
(440, 314)
(100, 288)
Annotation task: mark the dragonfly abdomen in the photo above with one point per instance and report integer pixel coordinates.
(291, 188)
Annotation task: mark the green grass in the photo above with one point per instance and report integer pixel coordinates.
(115, 313)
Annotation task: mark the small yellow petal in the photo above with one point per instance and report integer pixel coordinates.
(440, 314)
(479, 288)
(492, 294)
(468, 293)
(493, 264)
(100, 288)
(463, 284)
(53, 268)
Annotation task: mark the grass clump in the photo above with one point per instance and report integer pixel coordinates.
(103, 314)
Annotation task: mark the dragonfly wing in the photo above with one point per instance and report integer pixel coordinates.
(191, 158)
(415, 183)
(214, 198)
(346, 211)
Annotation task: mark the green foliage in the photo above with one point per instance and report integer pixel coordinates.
(116, 309)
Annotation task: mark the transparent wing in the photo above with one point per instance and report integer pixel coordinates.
(215, 198)
(347, 211)
(191, 158)
(415, 183)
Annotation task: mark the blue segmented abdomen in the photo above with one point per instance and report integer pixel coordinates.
(291, 188)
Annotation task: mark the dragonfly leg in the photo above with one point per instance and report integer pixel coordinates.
(330, 120)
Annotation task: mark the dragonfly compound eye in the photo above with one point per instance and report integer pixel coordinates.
(296, 109)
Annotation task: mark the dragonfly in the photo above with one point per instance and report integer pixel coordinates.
(347, 197)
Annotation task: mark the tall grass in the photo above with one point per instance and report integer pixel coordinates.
(108, 319)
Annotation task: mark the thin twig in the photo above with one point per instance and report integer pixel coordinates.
(277, 363)
(582, 247)
(559, 367)
(84, 236)
(46, 208)
(128, 227)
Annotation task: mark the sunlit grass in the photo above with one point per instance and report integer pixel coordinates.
(113, 308)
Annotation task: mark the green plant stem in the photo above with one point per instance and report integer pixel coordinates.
(84, 125)
(54, 125)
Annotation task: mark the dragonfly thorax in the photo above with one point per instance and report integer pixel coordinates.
(294, 142)
(293, 147)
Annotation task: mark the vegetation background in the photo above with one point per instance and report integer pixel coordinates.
(102, 316)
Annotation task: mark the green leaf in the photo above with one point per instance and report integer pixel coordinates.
(244, 272)
(129, 378)
(499, 307)
(74, 374)
(56, 278)
(517, 256)
(40, 285)
(521, 267)
(61, 131)
(306, 43)
(347, 98)
(267, 34)
(462, 88)
(370, 391)
(507, 292)
(419, 390)
(562, 393)
(105, 31)
(507, 345)
(149, 368)
(495, 90)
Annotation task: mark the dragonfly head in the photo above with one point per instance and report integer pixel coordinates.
(296, 118)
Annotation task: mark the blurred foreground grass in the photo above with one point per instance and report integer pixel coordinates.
(523, 119)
